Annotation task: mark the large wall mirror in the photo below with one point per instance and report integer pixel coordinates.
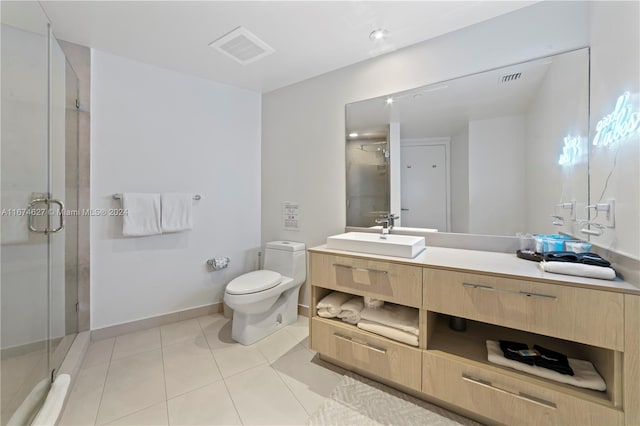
(494, 153)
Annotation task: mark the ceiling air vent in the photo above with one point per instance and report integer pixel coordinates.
(510, 77)
(242, 46)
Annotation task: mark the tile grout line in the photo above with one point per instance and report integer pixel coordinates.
(285, 383)
(293, 393)
(224, 381)
(164, 377)
(232, 401)
(104, 384)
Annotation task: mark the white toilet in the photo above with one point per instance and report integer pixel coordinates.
(265, 301)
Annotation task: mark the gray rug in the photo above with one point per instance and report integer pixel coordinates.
(360, 401)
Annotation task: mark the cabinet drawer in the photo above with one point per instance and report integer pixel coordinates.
(388, 281)
(582, 315)
(508, 400)
(379, 356)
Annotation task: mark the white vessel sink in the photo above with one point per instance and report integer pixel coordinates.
(391, 245)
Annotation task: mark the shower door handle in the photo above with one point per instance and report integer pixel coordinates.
(32, 215)
(31, 212)
(61, 224)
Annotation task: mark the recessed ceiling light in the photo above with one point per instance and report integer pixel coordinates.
(353, 135)
(389, 101)
(378, 34)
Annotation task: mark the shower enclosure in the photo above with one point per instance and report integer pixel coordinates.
(39, 193)
(368, 183)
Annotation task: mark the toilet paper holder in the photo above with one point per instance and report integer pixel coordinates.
(218, 263)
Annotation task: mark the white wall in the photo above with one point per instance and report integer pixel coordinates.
(560, 108)
(615, 68)
(460, 181)
(303, 124)
(154, 130)
(497, 205)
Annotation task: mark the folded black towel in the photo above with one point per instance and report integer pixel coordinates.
(593, 259)
(511, 351)
(569, 256)
(553, 360)
(561, 256)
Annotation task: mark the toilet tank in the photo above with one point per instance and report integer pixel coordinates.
(288, 258)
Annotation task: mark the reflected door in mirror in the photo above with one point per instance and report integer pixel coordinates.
(424, 186)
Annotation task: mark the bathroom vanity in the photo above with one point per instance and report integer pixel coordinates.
(502, 298)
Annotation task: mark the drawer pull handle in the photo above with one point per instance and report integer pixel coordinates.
(519, 395)
(366, 345)
(522, 293)
(360, 269)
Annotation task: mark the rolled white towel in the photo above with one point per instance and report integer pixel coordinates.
(579, 269)
(395, 316)
(325, 313)
(331, 305)
(351, 309)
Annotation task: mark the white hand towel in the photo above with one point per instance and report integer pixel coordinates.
(350, 310)
(142, 215)
(579, 269)
(584, 374)
(390, 332)
(177, 212)
(15, 221)
(395, 316)
(331, 305)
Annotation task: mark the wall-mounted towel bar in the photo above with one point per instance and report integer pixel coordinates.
(119, 196)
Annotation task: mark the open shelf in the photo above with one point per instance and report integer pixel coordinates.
(346, 325)
(318, 292)
(470, 346)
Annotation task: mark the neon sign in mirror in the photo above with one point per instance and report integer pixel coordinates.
(618, 126)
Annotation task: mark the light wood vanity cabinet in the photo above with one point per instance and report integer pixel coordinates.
(389, 360)
(452, 367)
(506, 399)
(392, 282)
(577, 314)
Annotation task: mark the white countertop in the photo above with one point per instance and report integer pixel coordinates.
(487, 262)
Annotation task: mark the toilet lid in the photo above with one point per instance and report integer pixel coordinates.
(254, 282)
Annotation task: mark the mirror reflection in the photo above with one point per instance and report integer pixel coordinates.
(494, 153)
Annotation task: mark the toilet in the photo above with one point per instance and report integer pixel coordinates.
(266, 300)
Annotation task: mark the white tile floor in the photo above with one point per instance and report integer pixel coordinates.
(192, 373)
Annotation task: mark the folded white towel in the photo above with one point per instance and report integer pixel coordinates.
(579, 269)
(395, 316)
(331, 305)
(326, 313)
(15, 223)
(142, 214)
(350, 310)
(584, 374)
(390, 332)
(177, 212)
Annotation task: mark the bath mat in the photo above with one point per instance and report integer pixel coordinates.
(360, 401)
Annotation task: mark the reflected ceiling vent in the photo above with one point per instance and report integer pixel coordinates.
(510, 77)
(242, 46)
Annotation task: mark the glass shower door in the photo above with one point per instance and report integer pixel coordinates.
(24, 338)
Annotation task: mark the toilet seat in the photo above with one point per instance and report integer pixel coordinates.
(254, 282)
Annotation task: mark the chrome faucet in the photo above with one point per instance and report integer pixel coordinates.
(387, 222)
